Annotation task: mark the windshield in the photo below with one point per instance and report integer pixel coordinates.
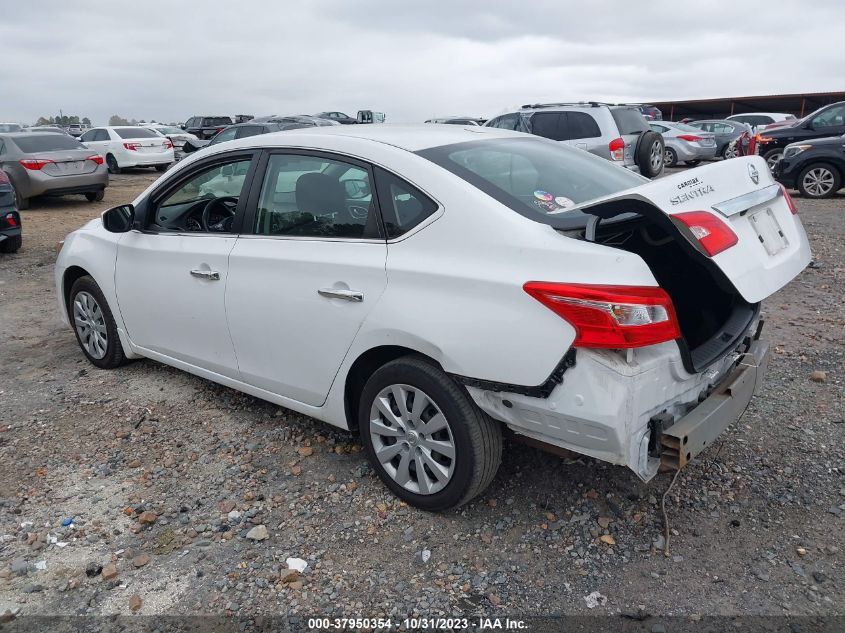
(46, 143)
(540, 179)
(169, 130)
(10, 127)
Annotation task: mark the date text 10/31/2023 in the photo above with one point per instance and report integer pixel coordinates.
(415, 624)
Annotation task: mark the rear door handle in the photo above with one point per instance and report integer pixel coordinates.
(211, 275)
(339, 293)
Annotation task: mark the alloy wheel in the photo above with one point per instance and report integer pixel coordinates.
(818, 181)
(774, 158)
(656, 158)
(90, 324)
(412, 439)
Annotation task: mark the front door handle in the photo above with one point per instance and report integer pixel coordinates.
(340, 293)
(211, 275)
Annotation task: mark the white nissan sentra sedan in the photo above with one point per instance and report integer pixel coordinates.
(429, 286)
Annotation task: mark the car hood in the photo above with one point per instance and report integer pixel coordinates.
(827, 140)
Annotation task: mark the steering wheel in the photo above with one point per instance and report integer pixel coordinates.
(221, 205)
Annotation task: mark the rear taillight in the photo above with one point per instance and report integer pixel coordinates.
(712, 234)
(132, 146)
(788, 199)
(11, 222)
(610, 317)
(96, 158)
(35, 164)
(168, 145)
(691, 138)
(617, 149)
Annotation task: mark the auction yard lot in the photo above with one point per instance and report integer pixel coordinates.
(164, 474)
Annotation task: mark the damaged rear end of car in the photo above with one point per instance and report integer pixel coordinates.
(655, 373)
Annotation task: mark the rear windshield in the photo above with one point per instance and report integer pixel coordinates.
(217, 120)
(46, 143)
(135, 132)
(683, 127)
(539, 179)
(10, 127)
(629, 120)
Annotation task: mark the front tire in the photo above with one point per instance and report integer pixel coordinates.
(425, 437)
(95, 196)
(111, 163)
(94, 324)
(819, 180)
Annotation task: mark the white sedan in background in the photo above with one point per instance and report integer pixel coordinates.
(177, 136)
(129, 146)
(428, 286)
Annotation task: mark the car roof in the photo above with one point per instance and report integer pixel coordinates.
(412, 138)
(783, 114)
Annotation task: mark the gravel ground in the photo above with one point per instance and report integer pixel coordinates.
(168, 478)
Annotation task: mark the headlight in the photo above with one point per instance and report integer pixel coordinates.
(794, 150)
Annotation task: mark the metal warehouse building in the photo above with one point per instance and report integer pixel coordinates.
(798, 104)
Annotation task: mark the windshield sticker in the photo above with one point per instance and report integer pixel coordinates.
(545, 196)
(692, 194)
(564, 202)
(547, 207)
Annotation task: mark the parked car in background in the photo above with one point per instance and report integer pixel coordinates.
(684, 143)
(725, 132)
(618, 133)
(458, 120)
(816, 168)
(826, 121)
(127, 146)
(760, 120)
(204, 127)
(74, 129)
(10, 219)
(51, 165)
(50, 129)
(11, 127)
(175, 135)
(627, 308)
(340, 117)
(252, 128)
(307, 120)
(368, 116)
(650, 112)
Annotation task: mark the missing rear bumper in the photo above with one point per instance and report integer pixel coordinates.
(697, 430)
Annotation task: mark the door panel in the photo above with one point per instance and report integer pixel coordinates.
(170, 310)
(290, 338)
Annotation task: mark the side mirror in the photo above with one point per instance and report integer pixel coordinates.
(119, 219)
(183, 127)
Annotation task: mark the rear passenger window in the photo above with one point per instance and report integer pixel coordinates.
(582, 125)
(307, 196)
(506, 122)
(550, 125)
(403, 206)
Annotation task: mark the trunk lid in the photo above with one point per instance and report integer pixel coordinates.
(771, 247)
(66, 162)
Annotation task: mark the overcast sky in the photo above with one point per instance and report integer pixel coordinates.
(168, 60)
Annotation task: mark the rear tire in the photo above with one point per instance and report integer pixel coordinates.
(20, 202)
(111, 162)
(11, 245)
(94, 324)
(95, 196)
(729, 151)
(773, 156)
(819, 180)
(649, 154)
(161, 167)
(692, 163)
(670, 158)
(445, 418)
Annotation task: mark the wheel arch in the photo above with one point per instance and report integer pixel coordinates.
(365, 366)
(71, 274)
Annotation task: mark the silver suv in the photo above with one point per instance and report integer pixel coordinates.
(618, 133)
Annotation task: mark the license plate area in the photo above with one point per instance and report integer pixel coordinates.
(768, 231)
